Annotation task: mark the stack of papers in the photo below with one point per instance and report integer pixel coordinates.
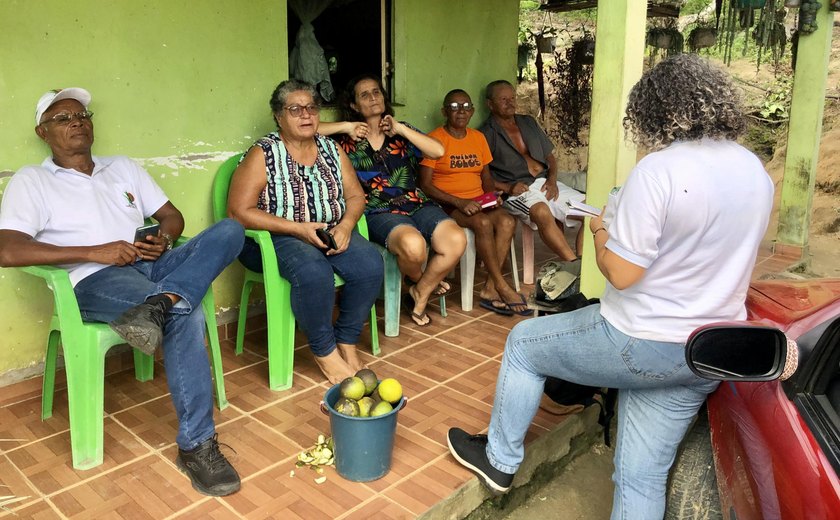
(581, 209)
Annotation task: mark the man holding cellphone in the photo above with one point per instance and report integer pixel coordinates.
(82, 212)
(524, 167)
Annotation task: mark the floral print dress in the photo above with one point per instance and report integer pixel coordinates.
(388, 175)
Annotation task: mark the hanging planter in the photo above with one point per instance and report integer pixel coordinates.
(523, 52)
(702, 37)
(808, 16)
(546, 41)
(584, 50)
(665, 38)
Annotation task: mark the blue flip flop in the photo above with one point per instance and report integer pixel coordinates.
(522, 301)
(487, 303)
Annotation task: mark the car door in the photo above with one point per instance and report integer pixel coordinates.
(777, 445)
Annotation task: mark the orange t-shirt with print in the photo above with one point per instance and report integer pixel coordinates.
(458, 172)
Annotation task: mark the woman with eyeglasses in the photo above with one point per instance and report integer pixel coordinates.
(455, 181)
(400, 217)
(297, 184)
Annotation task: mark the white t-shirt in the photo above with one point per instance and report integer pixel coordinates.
(64, 207)
(693, 215)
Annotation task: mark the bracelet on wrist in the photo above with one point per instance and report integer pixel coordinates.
(599, 229)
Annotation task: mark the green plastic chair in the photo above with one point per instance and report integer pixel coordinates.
(392, 293)
(85, 345)
(281, 319)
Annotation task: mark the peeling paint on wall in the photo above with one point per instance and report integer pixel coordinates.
(194, 162)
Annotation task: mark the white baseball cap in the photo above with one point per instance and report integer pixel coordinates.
(54, 96)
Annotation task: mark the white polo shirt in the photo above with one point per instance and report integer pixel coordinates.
(64, 207)
(693, 215)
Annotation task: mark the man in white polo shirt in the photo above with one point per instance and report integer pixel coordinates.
(80, 212)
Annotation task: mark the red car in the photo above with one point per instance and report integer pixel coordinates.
(776, 444)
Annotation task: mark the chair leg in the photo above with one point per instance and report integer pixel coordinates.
(208, 305)
(514, 267)
(85, 368)
(281, 334)
(48, 386)
(468, 272)
(527, 255)
(393, 286)
(144, 366)
(443, 306)
(243, 315)
(374, 332)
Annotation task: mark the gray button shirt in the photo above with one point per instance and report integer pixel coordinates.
(508, 164)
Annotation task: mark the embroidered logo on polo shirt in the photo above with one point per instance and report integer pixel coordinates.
(130, 198)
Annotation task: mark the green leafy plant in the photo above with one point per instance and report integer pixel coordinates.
(776, 104)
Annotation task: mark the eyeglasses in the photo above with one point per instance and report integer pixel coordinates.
(454, 107)
(297, 110)
(65, 118)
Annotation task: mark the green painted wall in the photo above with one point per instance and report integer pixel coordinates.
(177, 85)
(442, 45)
(180, 86)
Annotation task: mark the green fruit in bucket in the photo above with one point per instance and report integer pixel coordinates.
(365, 406)
(369, 378)
(390, 390)
(347, 406)
(352, 388)
(381, 408)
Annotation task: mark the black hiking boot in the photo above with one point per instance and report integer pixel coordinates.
(469, 450)
(210, 472)
(142, 326)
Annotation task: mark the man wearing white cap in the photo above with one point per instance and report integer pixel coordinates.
(80, 211)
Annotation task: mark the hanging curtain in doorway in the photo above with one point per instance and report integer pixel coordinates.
(307, 61)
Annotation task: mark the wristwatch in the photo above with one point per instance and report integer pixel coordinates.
(169, 241)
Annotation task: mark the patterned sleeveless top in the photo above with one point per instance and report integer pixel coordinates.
(302, 193)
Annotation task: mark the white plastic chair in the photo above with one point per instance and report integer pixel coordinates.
(468, 269)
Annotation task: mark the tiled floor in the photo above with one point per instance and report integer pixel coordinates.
(448, 371)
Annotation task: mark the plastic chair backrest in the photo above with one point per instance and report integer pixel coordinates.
(221, 186)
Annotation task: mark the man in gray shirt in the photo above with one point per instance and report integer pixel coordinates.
(524, 167)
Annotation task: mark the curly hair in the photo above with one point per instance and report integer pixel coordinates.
(348, 96)
(683, 98)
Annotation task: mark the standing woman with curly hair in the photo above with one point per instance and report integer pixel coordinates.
(677, 254)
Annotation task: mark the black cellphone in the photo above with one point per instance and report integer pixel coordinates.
(142, 232)
(326, 237)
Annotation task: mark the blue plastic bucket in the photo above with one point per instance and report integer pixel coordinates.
(363, 445)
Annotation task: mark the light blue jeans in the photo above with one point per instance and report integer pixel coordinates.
(186, 271)
(658, 397)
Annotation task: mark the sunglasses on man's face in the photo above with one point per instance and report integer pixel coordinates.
(455, 107)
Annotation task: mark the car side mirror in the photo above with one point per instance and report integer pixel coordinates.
(728, 352)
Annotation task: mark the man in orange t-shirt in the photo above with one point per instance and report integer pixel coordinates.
(455, 180)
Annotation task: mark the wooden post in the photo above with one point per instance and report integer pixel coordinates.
(804, 132)
(619, 54)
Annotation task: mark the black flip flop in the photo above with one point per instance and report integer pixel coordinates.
(487, 303)
(408, 303)
(522, 301)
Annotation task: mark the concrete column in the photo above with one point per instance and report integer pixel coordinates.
(804, 132)
(619, 54)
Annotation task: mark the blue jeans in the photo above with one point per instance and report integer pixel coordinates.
(425, 219)
(658, 397)
(187, 271)
(310, 273)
